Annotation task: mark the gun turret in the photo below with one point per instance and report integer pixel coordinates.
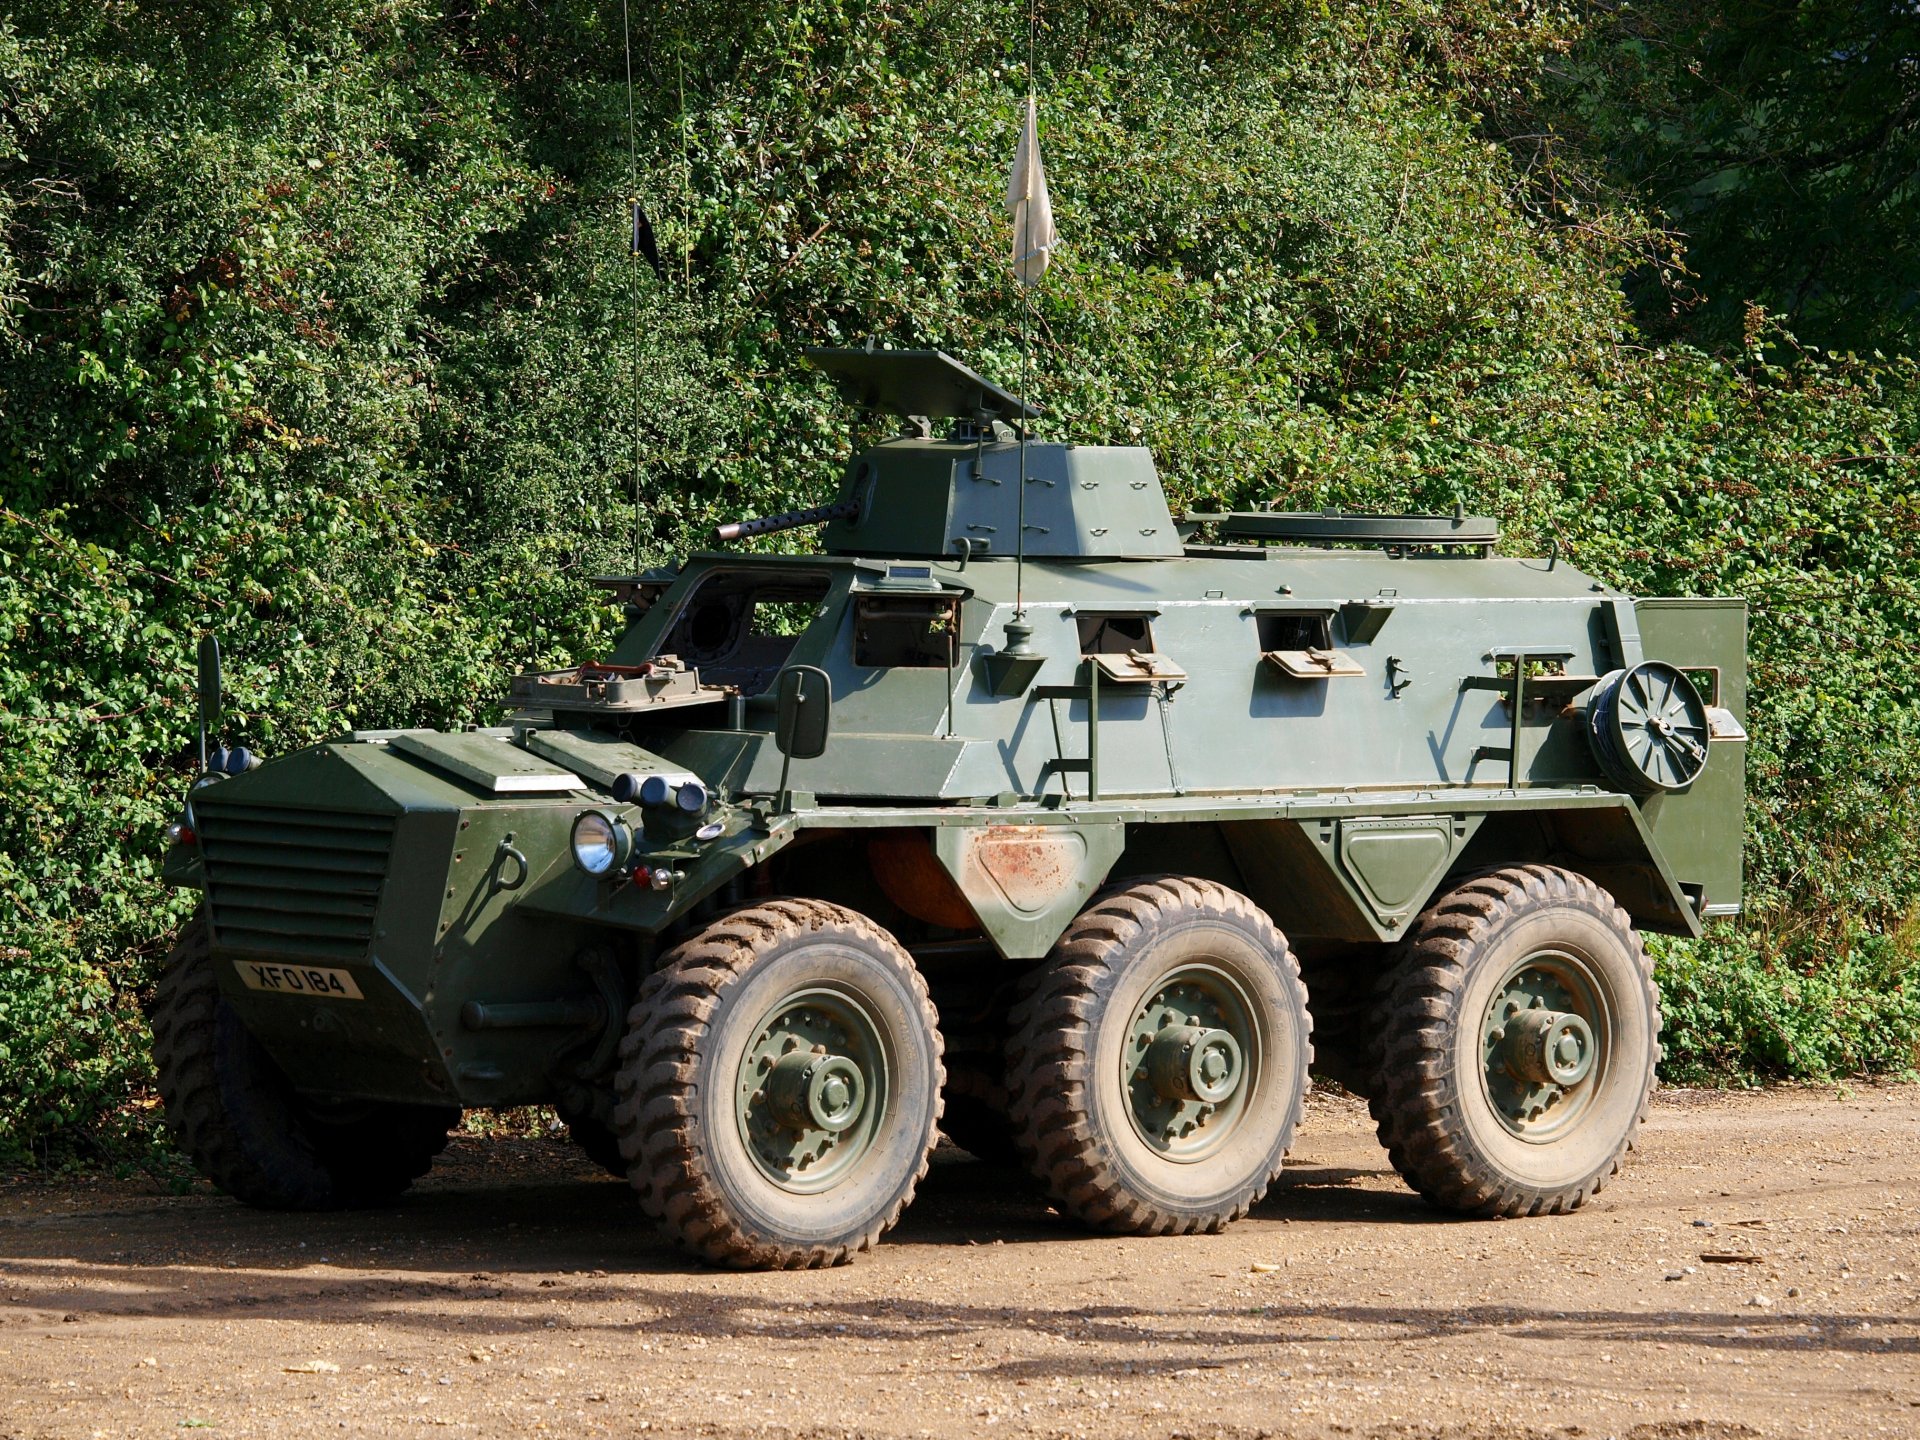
(791, 520)
(960, 494)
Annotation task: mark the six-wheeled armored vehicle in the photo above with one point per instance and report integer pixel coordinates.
(1020, 809)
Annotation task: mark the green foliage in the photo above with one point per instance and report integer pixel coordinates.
(1782, 141)
(318, 331)
(69, 1037)
(1738, 1011)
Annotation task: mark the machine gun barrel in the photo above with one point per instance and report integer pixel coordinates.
(791, 520)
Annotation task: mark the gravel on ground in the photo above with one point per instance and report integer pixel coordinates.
(1754, 1272)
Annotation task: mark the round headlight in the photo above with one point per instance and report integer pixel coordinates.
(600, 843)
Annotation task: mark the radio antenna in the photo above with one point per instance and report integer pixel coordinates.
(1033, 240)
(636, 224)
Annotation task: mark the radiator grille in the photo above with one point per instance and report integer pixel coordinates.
(293, 882)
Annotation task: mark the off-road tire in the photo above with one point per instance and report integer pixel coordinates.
(1069, 1031)
(246, 1128)
(680, 1055)
(1429, 1098)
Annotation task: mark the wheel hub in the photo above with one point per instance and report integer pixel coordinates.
(1192, 1062)
(1549, 1047)
(811, 1090)
(1539, 1046)
(807, 1091)
(1190, 1059)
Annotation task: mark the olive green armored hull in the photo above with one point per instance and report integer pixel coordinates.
(1333, 720)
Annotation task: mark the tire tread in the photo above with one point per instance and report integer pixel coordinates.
(1049, 1056)
(656, 1084)
(1414, 1101)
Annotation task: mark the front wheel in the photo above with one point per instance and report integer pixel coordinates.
(245, 1126)
(779, 1087)
(1517, 1037)
(1159, 1064)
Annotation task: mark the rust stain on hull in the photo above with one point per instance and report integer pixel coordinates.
(1028, 866)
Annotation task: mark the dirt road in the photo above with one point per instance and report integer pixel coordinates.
(515, 1291)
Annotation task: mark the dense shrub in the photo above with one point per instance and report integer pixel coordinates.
(317, 330)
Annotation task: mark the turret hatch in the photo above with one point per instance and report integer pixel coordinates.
(960, 494)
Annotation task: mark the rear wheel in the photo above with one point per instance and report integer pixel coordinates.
(249, 1131)
(1518, 1037)
(1159, 1065)
(779, 1087)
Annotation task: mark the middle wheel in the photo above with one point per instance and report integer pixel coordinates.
(1159, 1064)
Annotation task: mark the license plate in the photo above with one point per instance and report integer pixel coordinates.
(317, 980)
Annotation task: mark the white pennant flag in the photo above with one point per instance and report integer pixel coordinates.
(1032, 211)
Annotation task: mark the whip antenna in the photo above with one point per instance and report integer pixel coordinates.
(1021, 239)
(640, 239)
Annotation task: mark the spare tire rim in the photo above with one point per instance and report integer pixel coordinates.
(1190, 1062)
(1545, 1045)
(811, 1089)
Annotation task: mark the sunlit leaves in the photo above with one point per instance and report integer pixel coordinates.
(318, 331)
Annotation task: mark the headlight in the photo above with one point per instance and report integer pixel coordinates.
(601, 844)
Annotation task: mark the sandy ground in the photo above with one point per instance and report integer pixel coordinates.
(517, 1290)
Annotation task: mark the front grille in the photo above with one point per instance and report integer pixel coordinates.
(293, 882)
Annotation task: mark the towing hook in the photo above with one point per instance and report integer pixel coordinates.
(509, 860)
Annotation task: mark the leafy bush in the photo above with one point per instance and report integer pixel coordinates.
(1736, 1011)
(317, 330)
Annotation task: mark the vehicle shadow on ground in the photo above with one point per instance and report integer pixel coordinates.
(530, 1257)
(534, 1256)
(484, 1307)
(464, 1217)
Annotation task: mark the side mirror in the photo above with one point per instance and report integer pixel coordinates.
(209, 693)
(805, 696)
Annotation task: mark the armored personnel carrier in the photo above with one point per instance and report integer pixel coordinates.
(1016, 797)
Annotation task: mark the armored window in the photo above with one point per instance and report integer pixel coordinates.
(1114, 634)
(897, 632)
(1299, 644)
(739, 626)
(1120, 646)
(1298, 630)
